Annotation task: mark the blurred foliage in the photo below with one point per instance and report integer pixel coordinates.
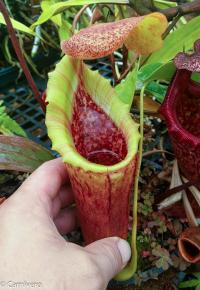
(8, 126)
(15, 7)
(193, 283)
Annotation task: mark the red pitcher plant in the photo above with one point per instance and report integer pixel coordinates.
(92, 128)
(181, 110)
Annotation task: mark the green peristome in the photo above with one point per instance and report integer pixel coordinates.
(102, 192)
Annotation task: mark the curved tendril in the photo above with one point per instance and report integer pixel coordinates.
(131, 268)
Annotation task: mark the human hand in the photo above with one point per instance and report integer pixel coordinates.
(32, 249)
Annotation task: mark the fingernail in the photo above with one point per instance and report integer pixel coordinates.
(125, 250)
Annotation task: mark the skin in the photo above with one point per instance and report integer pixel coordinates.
(32, 247)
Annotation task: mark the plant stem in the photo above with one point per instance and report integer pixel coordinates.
(112, 62)
(78, 16)
(121, 11)
(170, 13)
(171, 26)
(182, 9)
(49, 40)
(20, 56)
(125, 59)
(129, 68)
(149, 153)
(131, 268)
(176, 189)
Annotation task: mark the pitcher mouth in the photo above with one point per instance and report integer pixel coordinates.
(104, 157)
(85, 116)
(189, 251)
(172, 104)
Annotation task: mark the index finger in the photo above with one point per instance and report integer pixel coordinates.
(45, 182)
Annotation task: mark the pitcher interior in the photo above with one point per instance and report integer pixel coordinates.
(188, 109)
(95, 135)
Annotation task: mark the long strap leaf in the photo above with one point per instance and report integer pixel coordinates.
(62, 6)
(21, 154)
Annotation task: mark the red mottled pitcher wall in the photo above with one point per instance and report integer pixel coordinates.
(103, 201)
(102, 198)
(181, 110)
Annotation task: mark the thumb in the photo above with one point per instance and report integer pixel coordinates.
(110, 255)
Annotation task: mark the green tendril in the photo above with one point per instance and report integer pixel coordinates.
(131, 268)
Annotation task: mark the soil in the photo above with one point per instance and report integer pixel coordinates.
(10, 181)
(164, 282)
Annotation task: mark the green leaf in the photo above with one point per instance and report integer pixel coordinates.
(182, 38)
(6, 51)
(157, 90)
(196, 77)
(17, 25)
(21, 154)
(156, 71)
(126, 89)
(7, 125)
(57, 19)
(65, 30)
(62, 6)
(198, 286)
(159, 72)
(197, 275)
(189, 284)
(162, 4)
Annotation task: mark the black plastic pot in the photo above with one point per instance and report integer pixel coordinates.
(8, 75)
